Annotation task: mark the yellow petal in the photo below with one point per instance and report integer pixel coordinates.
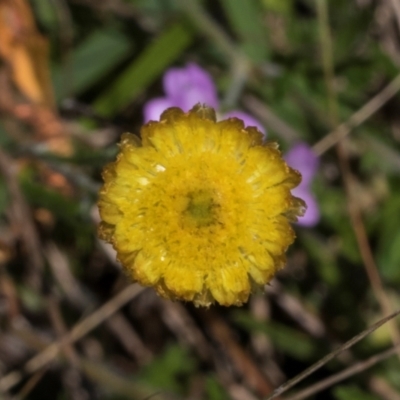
(201, 210)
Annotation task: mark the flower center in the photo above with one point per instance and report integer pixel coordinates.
(201, 209)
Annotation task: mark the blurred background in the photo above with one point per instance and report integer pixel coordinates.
(320, 78)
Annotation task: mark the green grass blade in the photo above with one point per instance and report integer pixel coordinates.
(144, 69)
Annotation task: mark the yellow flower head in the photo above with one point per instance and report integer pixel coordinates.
(200, 210)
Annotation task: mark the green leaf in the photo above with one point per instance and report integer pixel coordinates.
(288, 340)
(388, 254)
(333, 206)
(245, 18)
(145, 69)
(352, 392)
(4, 198)
(64, 209)
(168, 370)
(383, 155)
(31, 299)
(99, 54)
(321, 253)
(46, 14)
(5, 139)
(283, 7)
(214, 390)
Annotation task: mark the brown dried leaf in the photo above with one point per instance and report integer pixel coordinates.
(25, 51)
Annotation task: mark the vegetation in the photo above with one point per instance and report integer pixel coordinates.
(75, 75)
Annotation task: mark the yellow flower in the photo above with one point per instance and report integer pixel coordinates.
(200, 210)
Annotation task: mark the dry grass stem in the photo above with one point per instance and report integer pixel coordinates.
(77, 332)
(360, 116)
(345, 374)
(310, 370)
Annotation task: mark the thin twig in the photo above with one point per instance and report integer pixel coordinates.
(296, 310)
(383, 389)
(29, 385)
(271, 120)
(97, 372)
(360, 116)
(242, 362)
(77, 332)
(213, 31)
(23, 220)
(84, 300)
(327, 59)
(396, 8)
(348, 178)
(346, 373)
(180, 322)
(294, 381)
(74, 387)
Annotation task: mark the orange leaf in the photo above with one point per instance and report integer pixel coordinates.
(25, 51)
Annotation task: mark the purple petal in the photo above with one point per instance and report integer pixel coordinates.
(312, 215)
(190, 85)
(246, 118)
(154, 108)
(302, 158)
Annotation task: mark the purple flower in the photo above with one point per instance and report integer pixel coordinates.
(302, 158)
(187, 86)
